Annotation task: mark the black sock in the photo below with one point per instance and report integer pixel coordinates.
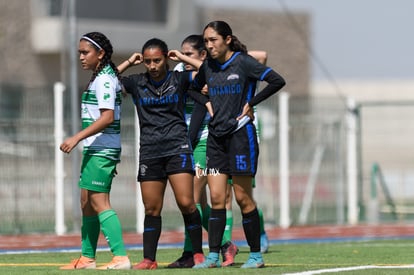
(193, 226)
(251, 226)
(152, 232)
(216, 225)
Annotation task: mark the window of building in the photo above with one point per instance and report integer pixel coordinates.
(154, 11)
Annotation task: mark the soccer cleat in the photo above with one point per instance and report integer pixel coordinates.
(118, 262)
(264, 243)
(255, 261)
(185, 261)
(229, 250)
(209, 262)
(81, 263)
(146, 264)
(198, 258)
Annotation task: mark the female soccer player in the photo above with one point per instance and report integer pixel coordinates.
(165, 149)
(101, 114)
(232, 149)
(197, 119)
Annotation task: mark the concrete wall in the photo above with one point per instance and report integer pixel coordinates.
(20, 65)
(26, 65)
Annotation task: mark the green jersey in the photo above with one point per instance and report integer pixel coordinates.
(103, 93)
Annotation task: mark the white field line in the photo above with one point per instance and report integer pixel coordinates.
(340, 269)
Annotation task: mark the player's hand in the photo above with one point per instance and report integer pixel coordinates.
(247, 111)
(204, 90)
(136, 59)
(210, 108)
(174, 55)
(69, 144)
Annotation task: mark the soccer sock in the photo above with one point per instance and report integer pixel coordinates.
(228, 230)
(205, 216)
(90, 234)
(262, 230)
(111, 228)
(193, 227)
(216, 225)
(188, 247)
(152, 232)
(251, 226)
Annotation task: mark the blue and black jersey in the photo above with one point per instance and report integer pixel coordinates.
(231, 85)
(160, 109)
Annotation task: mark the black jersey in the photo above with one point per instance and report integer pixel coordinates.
(230, 86)
(160, 108)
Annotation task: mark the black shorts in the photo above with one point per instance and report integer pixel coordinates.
(161, 168)
(235, 154)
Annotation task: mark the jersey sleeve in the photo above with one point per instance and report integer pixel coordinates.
(128, 82)
(260, 72)
(275, 83)
(105, 90)
(255, 69)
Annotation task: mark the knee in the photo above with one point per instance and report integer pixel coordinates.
(152, 209)
(186, 206)
(218, 200)
(245, 203)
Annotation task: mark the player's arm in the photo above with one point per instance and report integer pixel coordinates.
(106, 118)
(177, 56)
(134, 59)
(275, 82)
(260, 56)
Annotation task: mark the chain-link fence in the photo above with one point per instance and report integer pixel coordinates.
(317, 163)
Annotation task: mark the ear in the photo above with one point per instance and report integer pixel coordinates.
(228, 39)
(203, 54)
(101, 54)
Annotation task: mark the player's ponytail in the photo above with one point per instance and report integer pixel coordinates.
(236, 45)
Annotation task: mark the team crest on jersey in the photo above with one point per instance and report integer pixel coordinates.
(233, 76)
(143, 169)
(106, 96)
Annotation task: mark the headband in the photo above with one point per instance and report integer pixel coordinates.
(93, 42)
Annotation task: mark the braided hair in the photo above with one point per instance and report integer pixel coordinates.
(100, 42)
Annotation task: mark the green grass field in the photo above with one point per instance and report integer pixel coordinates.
(390, 256)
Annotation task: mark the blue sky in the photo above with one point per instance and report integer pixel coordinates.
(353, 39)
